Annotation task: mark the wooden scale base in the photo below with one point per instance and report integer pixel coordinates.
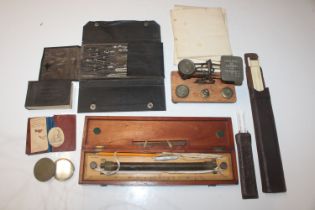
(202, 93)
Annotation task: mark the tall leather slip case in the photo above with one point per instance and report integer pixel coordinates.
(122, 67)
(271, 170)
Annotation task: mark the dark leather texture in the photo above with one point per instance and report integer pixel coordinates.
(123, 31)
(145, 59)
(61, 63)
(271, 169)
(48, 93)
(110, 80)
(246, 166)
(131, 94)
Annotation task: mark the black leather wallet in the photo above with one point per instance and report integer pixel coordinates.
(122, 67)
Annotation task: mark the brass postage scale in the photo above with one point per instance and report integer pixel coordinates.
(158, 151)
(208, 82)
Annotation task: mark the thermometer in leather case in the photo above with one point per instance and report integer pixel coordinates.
(245, 160)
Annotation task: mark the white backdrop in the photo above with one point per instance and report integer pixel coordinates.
(281, 32)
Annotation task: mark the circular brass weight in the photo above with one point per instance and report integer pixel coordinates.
(186, 67)
(182, 91)
(205, 93)
(44, 169)
(227, 92)
(64, 169)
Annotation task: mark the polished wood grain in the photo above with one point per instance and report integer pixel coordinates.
(117, 134)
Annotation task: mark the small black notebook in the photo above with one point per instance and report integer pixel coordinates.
(49, 94)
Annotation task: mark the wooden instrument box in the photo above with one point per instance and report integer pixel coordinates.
(130, 141)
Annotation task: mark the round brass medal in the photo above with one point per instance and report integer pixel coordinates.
(227, 92)
(44, 169)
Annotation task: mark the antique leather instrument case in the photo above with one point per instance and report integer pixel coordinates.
(158, 151)
(269, 156)
(122, 67)
(119, 67)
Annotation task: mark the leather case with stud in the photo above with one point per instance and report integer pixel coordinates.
(122, 67)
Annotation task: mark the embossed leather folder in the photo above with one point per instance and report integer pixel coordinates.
(122, 67)
(59, 66)
(60, 63)
(158, 151)
(51, 134)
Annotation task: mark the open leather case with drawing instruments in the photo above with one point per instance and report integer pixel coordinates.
(158, 151)
(122, 67)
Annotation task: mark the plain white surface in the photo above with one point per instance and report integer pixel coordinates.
(281, 32)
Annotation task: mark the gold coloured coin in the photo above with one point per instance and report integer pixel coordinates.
(44, 169)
